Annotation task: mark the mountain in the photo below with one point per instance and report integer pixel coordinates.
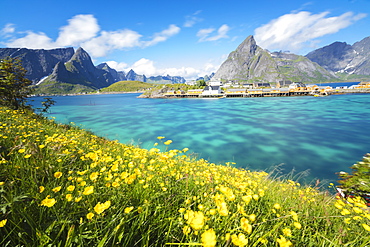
(166, 79)
(80, 70)
(249, 62)
(132, 76)
(340, 57)
(117, 75)
(38, 62)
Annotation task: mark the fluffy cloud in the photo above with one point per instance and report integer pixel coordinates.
(147, 67)
(83, 30)
(79, 29)
(108, 41)
(204, 34)
(296, 30)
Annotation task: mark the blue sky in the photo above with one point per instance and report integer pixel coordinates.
(188, 38)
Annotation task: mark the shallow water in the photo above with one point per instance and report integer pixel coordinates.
(324, 135)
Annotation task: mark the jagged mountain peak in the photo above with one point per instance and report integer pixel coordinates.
(248, 46)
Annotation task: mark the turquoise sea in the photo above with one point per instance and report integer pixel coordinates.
(324, 135)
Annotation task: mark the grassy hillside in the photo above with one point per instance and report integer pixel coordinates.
(61, 88)
(127, 86)
(63, 186)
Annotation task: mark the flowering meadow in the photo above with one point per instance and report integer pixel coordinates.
(64, 186)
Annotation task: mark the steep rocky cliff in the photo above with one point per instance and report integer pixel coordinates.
(80, 70)
(249, 62)
(340, 57)
(38, 62)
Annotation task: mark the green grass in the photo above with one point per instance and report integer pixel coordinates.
(63, 186)
(127, 86)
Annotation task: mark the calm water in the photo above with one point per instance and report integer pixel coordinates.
(323, 135)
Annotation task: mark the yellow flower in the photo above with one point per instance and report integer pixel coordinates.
(48, 202)
(27, 156)
(71, 188)
(168, 142)
(2, 183)
(297, 225)
(366, 227)
(22, 150)
(186, 230)
(209, 238)
(294, 215)
(78, 199)
(244, 223)
(89, 216)
(252, 217)
(287, 232)
(41, 189)
(345, 212)
(128, 209)
(283, 242)
(58, 174)
(239, 240)
(277, 206)
(100, 207)
(41, 146)
(3, 222)
(88, 190)
(69, 197)
(57, 189)
(94, 176)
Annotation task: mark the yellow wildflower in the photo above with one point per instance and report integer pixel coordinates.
(2, 183)
(252, 217)
(345, 212)
(222, 209)
(287, 232)
(277, 206)
(41, 189)
(58, 174)
(71, 188)
(168, 142)
(283, 242)
(69, 197)
(244, 223)
(3, 223)
(88, 190)
(27, 156)
(195, 219)
(41, 146)
(366, 227)
(128, 209)
(186, 230)
(209, 238)
(57, 189)
(100, 207)
(239, 240)
(48, 202)
(78, 199)
(94, 176)
(297, 225)
(22, 150)
(89, 216)
(294, 215)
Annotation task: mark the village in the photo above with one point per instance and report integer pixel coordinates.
(218, 89)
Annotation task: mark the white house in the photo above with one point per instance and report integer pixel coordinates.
(214, 82)
(211, 90)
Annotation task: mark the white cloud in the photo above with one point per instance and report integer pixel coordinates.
(79, 29)
(144, 67)
(296, 30)
(33, 41)
(83, 30)
(8, 29)
(148, 68)
(108, 41)
(204, 34)
(117, 66)
(163, 36)
(191, 20)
